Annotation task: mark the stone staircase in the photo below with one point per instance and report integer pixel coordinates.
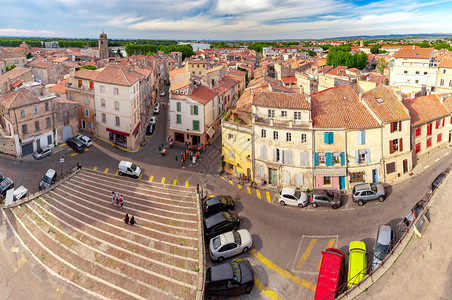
(77, 232)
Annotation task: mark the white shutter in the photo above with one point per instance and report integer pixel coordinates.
(274, 155)
(304, 158)
(289, 157)
(263, 152)
(286, 177)
(299, 179)
(260, 172)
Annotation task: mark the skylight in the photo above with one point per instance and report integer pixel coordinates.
(379, 100)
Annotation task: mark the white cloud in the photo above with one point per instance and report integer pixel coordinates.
(21, 32)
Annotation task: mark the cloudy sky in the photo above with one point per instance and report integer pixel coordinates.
(222, 19)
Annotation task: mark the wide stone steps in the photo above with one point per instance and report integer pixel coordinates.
(76, 231)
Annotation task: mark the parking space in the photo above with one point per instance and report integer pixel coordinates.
(309, 254)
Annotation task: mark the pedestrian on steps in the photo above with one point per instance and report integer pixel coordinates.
(121, 201)
(113, 197)
(117, 198)
(126, 219)
(132, 221)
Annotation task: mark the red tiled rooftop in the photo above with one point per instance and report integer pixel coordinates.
(202, 94)
(389, 108)
(281, 100)
(289, 79)
(418, 53)
(425, 109)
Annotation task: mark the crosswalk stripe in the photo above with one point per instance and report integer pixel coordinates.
(186, 183)
(117, 172)
(248, 189)
(151, 178)
(106, 170)
(163, 180)
(306, 254)
(330, 244)
(175, 182)
(300, 281)
(95, 169)
(75, 153)
(268, 196)
(239, 186)
(258, 194)
(141, 175)
(266, 291)
(231, 182)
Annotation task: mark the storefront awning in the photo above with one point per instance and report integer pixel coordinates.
(210, 132)
(330, 172)
(117, 132)
(136, 128)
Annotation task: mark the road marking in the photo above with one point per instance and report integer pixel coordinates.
(151, 178)
(68, 149)
(248, 189)
(282, 272)
(426, 166)
(117, 172)
(95, 169)
(239, 186)
(106, 170)
(175, 182)
(163, 180)
(20, 263)
(447, 153)
(231, 182)
(266, 291)
(306, 254)
(75, 153)
(437, 159)
(330, 244)
(141, 175)
(186, 183)
(62, 145)
(222, 177)
(258, 194)
(268, 197)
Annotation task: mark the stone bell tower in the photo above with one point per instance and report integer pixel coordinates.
(103, 46)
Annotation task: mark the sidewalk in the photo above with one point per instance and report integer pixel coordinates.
(424, 269)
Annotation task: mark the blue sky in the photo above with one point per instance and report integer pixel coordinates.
(222, 19)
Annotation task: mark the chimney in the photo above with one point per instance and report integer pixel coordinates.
(414, 46)
(442, 98)
(413, 95)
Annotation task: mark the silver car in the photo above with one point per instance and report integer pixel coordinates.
(293, 196)
(85, 140)
(229, 244)
(367, 192)
(383, 244)
(42, 152)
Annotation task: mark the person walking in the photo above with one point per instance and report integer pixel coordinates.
(117, 198)
(121, 201)
(113, 197)
(126, 219)
(132, 221)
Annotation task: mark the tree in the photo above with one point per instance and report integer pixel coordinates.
(10, 67)
(119, 53)
(88, 67)
(340, 56)
(381, 66)
(374, 49)
(29, 55)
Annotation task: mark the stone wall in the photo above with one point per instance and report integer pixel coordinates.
(7, 145)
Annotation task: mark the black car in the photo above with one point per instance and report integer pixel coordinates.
(150, 129)
(217, 204)
(1, 177)
(220, 223)
(229, 279)
(76, 145)
(6, 185)
(438, 180)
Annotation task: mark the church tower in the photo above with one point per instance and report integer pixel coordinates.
(103, 46)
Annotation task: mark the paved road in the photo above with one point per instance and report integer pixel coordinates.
(287, 241)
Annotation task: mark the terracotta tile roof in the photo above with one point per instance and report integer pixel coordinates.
(41, 62)
(143, 71)
(202, 94)
(14, 73)
(17, 83)
(446, 63)
(173, 73)
(179, 85)
(18, 98)
(9, 54)
(324, 70)
(281, 100)
(425, 109)
(389, 108)
(447, 102)
(60, 87)
(118, 74)
(338, 71)
(86, 74)
(225, 84)
(280, 88)
(339, 107)
(289, 79)
(419, 53)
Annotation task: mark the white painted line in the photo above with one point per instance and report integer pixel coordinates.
(427, 166)
(447, 153)
(437, 159)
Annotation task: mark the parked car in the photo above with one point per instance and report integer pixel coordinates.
(326, 198)
(1, 177)
(48, 179)
(85, 140)
(357, 262)
(153, 120)
(229, 279)
(367, 192)
(19, 193)
(162, 94)
(229, 244)
(438, 180)
(6, 185)
(216, 204)
(150, 129)
(157, 109)
(293, 196)
(330, 274)
(129, 168)
(220, 223)
(383, 244)
(42, 152)
(76, 145)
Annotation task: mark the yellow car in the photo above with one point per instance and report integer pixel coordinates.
(357, 262)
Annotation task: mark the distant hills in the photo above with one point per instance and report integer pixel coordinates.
(395, 36)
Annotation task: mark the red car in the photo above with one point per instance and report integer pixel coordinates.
(330, 275)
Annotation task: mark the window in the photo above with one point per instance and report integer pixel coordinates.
(86, 100)
(322, 159)
(297, 116)
(48, 123)
(102, 102)
(418, 147)
(104, 118)
(429, 142)
(271, 113)
(49, 139)
(22, 114)
(263, 152)
(425, 73)
(416, 81)
(336, 158)
(46, 106)
(288, 137)
(429, 128)
(195, 125)
(444, 71)
(405, 72)
(35, 109)
(71, 96)
(102, 89)
(230, 136)
(24, 129)
(116, 105)
(263, 133)
(450, 83)
(418, 129)
(326, 180)
(86, 113)
(178, 119)
(393, 146)
(116, 91)
(439, 123)
(118, 123)
(284, 113)
(441, 82)
(328, 138)
(417, 72)
(276, 155)
(36, 125)
(390, 168)
(361, 137)
(362, 156)
(275, 135)
(303, 138)
(194, 110)
(179, 106)
(394, 126)
(439, 137)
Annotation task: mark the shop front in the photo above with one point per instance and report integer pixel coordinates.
(333, 178)
(117, 137)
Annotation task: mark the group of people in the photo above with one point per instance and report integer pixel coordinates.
(118, 198)
(127, 220)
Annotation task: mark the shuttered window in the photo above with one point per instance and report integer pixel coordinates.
(299, 179)
(286, 177)
(304, 159)
(178, 119)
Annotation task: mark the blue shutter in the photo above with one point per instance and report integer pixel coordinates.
(326, 138)
(360, 138)
(331, 139)
(356, 157)
(342, 158)
(363, 137)
(329, 158)
(316, 159)
(367, 155)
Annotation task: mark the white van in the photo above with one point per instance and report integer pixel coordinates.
(129, 168)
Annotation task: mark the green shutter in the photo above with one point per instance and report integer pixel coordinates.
(178, 119)
(196, 109)
(178, 106)
(195, 125)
